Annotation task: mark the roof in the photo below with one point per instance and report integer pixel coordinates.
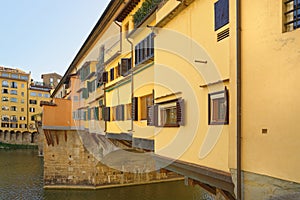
(128, 8)
(105, 19)
(12, 70)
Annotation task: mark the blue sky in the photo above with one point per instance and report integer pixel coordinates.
(43, 36)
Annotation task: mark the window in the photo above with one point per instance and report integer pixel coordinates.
(5, 84)
(218, 108)
(31, 109)
(47, 95)
(31, 101)
(40, 94)
(4, 91)
(22, 94)
(22, 118)
(5, 108)
(5, 74)
(144, 51)
(33, 94)
(32, 118)
(23, 126)
(14, 92)
(125, 66)
(24, 77)
(5, 99)
(117, 70)
(15, 100)
(13, 118)
(4, 125)
(13, 125)
(51, 81)
(14, 85)
(128, 111)
(22, 85)
(89, 114)
(22, 109)
(96, 113)
(221, 13)
(22, 101)
(16, 76)
(145, 101)
(112, 74)
(166, 114)
(292, 14)
(13, 108)
(5, 118)
(114, 113)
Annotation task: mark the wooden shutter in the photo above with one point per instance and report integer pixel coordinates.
(112, 74)
(180, 112)
(106, 111)
(152, 115)
(221, 13)
(105, 77)
(135, 108)
(125, 66)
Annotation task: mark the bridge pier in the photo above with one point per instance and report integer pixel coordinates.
(69, 164)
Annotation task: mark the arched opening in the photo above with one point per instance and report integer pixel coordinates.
(5, 134)
(33, 137)
(18, 135)
(11, 135)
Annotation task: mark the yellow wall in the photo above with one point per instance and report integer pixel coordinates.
(270, 63)
(186, 38)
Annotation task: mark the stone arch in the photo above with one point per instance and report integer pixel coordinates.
(25, 137)
(6, 132)
(1, 135)
(12, 135)
(18, 135)
(34, 137)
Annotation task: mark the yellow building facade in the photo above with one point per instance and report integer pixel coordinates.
(20, 103)
(208, 87)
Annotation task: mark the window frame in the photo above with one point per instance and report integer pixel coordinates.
(218, 96)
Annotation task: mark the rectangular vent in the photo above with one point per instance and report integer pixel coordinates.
(223, 34)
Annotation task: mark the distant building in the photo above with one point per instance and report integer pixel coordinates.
(51, 79)
(20, 102)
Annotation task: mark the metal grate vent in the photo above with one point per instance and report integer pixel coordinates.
(223, 34)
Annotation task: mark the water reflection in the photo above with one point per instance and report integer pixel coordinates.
(21, 177)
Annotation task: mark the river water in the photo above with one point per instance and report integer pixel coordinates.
(21, 177)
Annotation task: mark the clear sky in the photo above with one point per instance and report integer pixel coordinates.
(43, 36)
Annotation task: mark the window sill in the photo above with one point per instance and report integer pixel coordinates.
(169, 126)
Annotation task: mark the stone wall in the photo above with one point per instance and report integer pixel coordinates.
(67, 163)
(256, 186)
(25, 138)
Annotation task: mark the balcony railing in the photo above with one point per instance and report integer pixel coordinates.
(145, 11)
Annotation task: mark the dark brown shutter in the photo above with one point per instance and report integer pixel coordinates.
(180, 112)
(106, 116)
(135, 108)
(120, 113)
(105, 77)
(124, 66)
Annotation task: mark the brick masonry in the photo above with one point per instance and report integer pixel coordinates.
(67, 163)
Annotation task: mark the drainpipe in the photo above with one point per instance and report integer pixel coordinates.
(132, 84)
(239, 98)
(119, 25)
